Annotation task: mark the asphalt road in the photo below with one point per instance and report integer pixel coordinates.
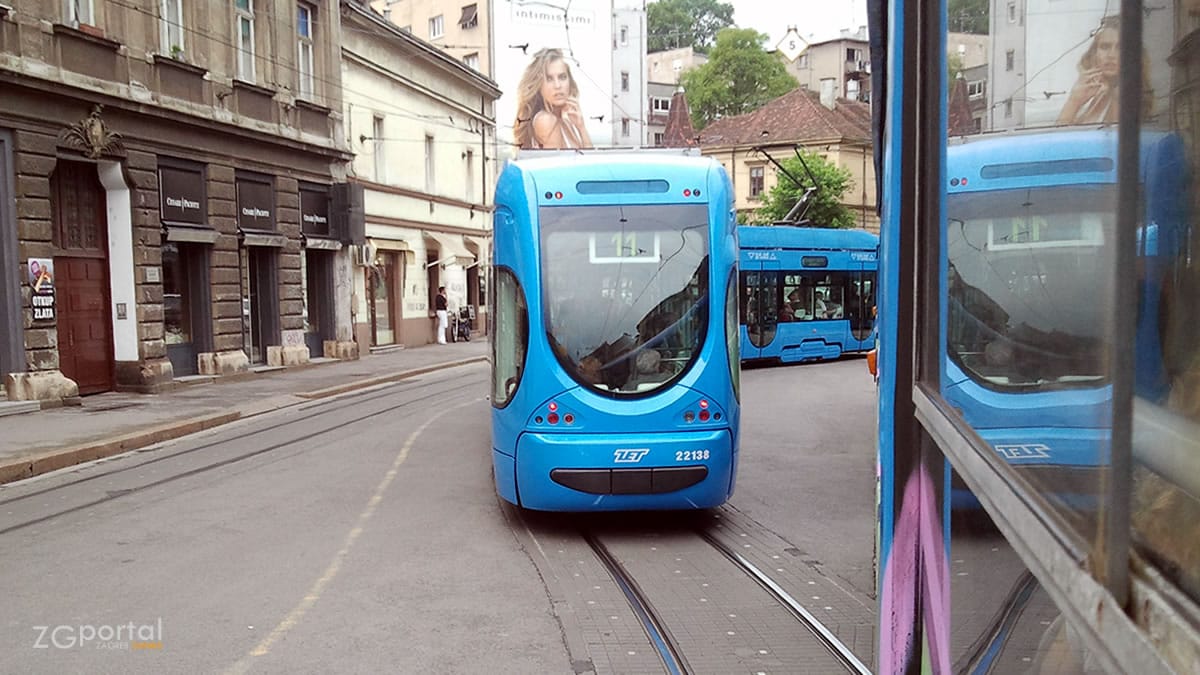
(363, 534)
(360, 534)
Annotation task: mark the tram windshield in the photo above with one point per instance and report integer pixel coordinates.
(1027, 285)
(625, 292)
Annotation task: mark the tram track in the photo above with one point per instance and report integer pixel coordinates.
(322, 408)
(661, 630)
(237, 458)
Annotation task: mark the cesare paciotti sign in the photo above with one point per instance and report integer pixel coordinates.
(314, 209)
(255, 204)
(182, 194)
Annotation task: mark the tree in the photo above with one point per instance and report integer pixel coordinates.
(740, 76)
(826, 208)
(685, 23)
(968, 16)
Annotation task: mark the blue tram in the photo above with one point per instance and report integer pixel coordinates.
(615, 337)
(806, 292)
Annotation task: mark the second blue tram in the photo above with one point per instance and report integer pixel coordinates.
(615, 354)
(806, 292)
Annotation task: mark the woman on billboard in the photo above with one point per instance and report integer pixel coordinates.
(548, 114)
(1094, 97)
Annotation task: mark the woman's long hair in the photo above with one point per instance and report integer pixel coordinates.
(1088, 61)
(529, 93)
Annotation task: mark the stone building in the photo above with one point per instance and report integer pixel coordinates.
(166, 174)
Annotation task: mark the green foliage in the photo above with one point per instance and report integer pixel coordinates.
(954, 66)
(968, 16)
(685, 23)
(827, 209)
(740, 76)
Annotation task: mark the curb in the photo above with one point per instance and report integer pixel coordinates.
(53, 460)
(86, 452)
(384, 379)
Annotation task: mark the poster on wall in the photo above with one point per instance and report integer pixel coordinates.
(41, 282)
(1072, 59)
(554, 67)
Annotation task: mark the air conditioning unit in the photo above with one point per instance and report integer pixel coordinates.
(365, 255)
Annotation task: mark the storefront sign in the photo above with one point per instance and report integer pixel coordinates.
(41, 281)
(314, 209)
(181, 191)
(255, 203)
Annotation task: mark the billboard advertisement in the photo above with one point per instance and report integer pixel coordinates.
(1072, 53)
(553, 62)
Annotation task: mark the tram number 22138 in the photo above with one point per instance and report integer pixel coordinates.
(690, 455)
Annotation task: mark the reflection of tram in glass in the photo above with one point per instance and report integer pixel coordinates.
(1030, 223)
(615, 345)
(806, 292)
(1035, 287)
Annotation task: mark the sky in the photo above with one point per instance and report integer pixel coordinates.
(815, 20)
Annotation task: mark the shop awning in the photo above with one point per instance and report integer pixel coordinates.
(480, 247)
(452, 250)
(263, 238)
(384, 244)
(190, 234)
(322, 243)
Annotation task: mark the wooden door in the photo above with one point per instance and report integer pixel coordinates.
(85, 342)
(84, 330)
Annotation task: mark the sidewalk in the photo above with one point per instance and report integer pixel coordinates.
(37, 441)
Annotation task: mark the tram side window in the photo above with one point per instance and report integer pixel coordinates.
(510, 339)
(813, 297)
(795, 307)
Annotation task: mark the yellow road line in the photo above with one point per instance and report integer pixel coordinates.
(293, 618)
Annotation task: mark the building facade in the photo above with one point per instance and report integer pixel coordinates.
(629, 86)
(423, 128)
(836, 129)
(165, 176)
(460, 29)
(668, 65)
(846, 60)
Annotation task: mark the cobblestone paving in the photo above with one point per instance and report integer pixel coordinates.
(847, 613)
(721, 619)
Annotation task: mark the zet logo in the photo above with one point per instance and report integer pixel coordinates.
(1024, 451)
(629, 455)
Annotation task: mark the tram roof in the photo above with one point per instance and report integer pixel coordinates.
(536, 161)
(785, 236)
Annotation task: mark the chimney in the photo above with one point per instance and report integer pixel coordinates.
(829, 92)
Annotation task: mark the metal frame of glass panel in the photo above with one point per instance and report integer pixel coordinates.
(1125, 614)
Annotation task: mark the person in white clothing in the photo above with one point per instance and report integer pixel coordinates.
(440, 306)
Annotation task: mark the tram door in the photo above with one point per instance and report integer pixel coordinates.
(860, 299)
(760, 305)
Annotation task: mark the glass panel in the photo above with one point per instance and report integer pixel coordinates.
(177, 315)
(1165, 509)
(732, 335)
(303, 21)
(626, 291)
(381, 301)
(760, 300)
(1030, 245)
(1003, 620)
(245, 48)
(510, 337)
(1030, 273)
